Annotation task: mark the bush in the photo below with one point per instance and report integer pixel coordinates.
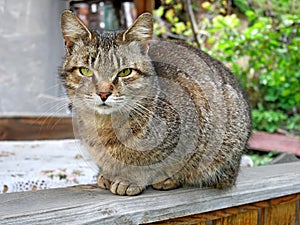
(264, 56)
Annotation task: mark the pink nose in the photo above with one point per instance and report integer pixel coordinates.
(104, 95)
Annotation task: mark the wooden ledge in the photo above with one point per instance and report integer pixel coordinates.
(36, 128)
(88, 204)
(50, 127)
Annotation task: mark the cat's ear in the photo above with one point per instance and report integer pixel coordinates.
(73, 29)
(140, 30)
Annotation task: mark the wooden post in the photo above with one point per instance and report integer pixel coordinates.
(144, 6)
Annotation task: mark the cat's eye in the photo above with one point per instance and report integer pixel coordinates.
(125, 72)
(86, 72)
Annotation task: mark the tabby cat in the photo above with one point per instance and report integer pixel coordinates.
(153, 113)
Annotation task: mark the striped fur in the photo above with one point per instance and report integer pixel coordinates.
(180, 118)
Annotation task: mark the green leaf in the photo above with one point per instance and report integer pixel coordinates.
(159, 11)
(242, 5)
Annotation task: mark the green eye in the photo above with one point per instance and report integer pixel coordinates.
(86, 72)
(124, 73)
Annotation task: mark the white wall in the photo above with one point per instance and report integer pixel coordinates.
(31, 51)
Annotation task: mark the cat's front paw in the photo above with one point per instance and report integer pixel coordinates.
(124, 187)
(103, 181)
(167, 184)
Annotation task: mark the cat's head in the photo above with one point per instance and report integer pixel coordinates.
(107, 71)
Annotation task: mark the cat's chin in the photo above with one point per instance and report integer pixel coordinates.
(104, 109)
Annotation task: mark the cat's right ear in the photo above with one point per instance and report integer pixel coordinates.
(140, 30)
(73, 29)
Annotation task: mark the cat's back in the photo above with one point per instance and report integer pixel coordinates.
(191, 61)
(212, 88)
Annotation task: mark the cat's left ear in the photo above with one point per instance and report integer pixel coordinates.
(73, 29)
(140, 30)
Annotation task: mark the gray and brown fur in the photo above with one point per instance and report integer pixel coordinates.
(180, 118)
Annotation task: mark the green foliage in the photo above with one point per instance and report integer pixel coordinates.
(276, 7)
(271, 75)
(262, 158)
(176, 21)
(264, 55)
(243, 5)
(267, 120)
(293, 123)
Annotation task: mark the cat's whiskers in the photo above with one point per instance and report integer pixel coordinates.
(161, 108)
(49, 114)
(56, 103)
(53, 87)
(151, 124)
(147, 116)
(129, 110)
(119, 99)
(88, 97)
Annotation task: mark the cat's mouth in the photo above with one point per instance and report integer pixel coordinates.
(104, 109)
(104, 105)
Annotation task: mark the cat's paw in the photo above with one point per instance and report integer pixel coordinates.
(103, 181)
(167, 184)
(124, 187)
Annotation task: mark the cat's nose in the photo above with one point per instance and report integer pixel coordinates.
(104, 95)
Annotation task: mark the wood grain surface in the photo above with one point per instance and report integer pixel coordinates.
(90, 205)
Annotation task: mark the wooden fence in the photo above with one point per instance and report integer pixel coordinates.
(263, 195)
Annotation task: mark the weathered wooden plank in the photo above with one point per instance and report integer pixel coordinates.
(36, 128)
(279, 210)
(181, 221)
(274, 142)
(298, 212)
(252, 213)
(283, 214)
(245, 218)
(278, 201)
(87, 204)
(246, 214)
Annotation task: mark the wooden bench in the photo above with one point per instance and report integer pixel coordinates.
(263, 195)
